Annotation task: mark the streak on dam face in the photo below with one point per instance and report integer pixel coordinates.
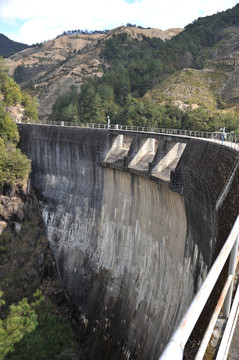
(132, 246)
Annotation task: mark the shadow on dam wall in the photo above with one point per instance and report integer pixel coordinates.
(132, 244)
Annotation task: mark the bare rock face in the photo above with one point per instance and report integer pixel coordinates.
(230, 90)
(12, 206)
(3, 226)
(17, 112)
(26, 260)
(173, 32)
(226, 58)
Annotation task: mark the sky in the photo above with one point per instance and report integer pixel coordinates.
(31, 21)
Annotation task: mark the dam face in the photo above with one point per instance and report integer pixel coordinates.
(132, 243)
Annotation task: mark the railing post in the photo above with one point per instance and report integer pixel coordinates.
(231, 271)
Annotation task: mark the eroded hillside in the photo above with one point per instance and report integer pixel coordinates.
(190, 88)
(215, 85)
(51, 68)
(225, 56)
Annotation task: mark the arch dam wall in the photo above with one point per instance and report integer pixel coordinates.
(135, 222)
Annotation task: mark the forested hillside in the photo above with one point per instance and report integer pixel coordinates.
(50, 69)
(134, 86)
(9, 47)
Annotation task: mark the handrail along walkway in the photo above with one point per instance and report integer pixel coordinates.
(232, 138)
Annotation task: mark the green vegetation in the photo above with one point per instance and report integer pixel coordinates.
(12, 96)
(28, 330)
(50, 339)
(138, 66)
(66, 107)
(43, 330)
(20, 74)
(14, 166)
(9, 90)
(188, 86)
(155, 109)
(8, 128)
(9, 47)
(22, 319)
(30, 104)
(32, 331)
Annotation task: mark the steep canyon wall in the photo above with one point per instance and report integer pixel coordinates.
(130, 251)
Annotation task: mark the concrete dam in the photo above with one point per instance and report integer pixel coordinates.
(134, 220)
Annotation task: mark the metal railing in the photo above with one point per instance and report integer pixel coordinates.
(232, 139)
(175, 347)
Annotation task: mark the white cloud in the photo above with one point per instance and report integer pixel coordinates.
(47, 18)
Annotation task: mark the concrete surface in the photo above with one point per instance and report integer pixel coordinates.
(131, 252)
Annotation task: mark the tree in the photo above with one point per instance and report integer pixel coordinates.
(186, 60)
(21, 320)
(30, 103)
(66, 107)
(51, 339)
(70, 113)
(14, 166)
(8, 128)
(229, 120)
(129, 115)
(197, 119)
(11, 95)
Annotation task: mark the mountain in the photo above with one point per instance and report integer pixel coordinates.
(132, 74)
(215, 84)
(50, 69)
(9, 47)
(188, 88)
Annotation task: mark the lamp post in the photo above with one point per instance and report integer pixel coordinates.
(108, 121)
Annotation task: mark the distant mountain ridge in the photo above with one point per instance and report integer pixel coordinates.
(9, 47)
